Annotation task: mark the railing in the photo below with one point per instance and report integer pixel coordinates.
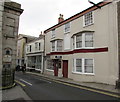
(7, 77)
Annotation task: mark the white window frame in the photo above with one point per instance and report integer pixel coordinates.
(36, 46)
(92, 19)
(53, 33)
(83, 42)
(52, 46)
(48, 68)
(83, 66)
(56, 49)
(67, 27)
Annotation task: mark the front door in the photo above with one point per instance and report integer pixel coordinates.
(55, 67)
(65, 68)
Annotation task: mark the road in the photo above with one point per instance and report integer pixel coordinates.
(39, 88)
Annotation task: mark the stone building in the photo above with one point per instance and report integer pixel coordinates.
(9, 24)
(22, 40)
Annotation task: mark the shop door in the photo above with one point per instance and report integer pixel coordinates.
(55, 68)
(65, 68)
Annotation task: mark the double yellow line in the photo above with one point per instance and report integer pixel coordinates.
(82, 87)
(20, 83)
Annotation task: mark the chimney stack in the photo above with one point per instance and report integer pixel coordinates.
(41, 35)
(60, 19)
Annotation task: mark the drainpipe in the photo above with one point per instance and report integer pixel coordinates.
(44, 58)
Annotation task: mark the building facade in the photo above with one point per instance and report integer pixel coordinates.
(84, 47)
(22, 40)
(10, 18)
(9, 23)
(34, 57)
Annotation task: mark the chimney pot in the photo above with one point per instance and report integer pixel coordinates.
(60, 19)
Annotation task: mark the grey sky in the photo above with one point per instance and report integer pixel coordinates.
(40, 15)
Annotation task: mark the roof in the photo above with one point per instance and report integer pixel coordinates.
(101, 4)
(28, 36)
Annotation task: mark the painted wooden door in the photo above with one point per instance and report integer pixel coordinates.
(65, 68)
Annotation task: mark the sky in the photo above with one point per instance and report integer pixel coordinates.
(39, 15)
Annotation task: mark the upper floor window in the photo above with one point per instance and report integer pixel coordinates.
(39, 46)
(53, 33)
(36, 45)
(57, 45)
(88, 40)
(30, 48)
(78, 41)
(67, 27)
(83, 40)
(88, 19)
(53, 46)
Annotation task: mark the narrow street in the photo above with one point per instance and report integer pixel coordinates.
(39, 88)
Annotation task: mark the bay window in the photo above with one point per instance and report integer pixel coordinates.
(57, 45)
(83, 40)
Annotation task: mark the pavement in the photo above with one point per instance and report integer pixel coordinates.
(14, 94)
(17, 93)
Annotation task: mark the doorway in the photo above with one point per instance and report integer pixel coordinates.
(65, 68)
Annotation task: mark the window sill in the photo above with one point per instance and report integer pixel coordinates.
(53, 37)
(66, 32)
(84, 48)
(49, 70)
(89, 74)
(88, 25)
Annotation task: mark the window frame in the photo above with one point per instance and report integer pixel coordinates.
(83, 41)
(36, 46)
(48, 69)
(53, 33)
(56, 46)
(83, 66)
(84, 24)
(59, 47)
(67, 31)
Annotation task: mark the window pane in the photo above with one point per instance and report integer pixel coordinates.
(88, 69)
(50, 64)
(78, 41)
(88, 66)
(88, 44)
(59, 45)
(67, 27)
(78, 65)
(53, 33)
(88, 40)
(53, 46)
(88, 37)
(88, 18)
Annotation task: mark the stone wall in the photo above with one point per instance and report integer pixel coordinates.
(11, 14)
(1, 14)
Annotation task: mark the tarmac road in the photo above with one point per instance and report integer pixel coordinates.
(39, 88)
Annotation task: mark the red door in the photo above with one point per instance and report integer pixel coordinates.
(65, 68)
(55, 68)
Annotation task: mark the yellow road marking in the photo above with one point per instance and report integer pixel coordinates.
(89, 89)
(20, 83)
(7, 87)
